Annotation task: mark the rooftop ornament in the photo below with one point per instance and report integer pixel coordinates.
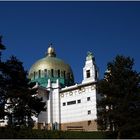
(89, 56)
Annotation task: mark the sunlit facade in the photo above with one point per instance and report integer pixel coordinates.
(69, 106)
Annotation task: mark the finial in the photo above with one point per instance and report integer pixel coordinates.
(50, 45)
(89, 55)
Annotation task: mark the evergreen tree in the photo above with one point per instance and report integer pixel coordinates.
(119, 106)
(2, 85)
(2, 47)
(21, 100)
(18, 100)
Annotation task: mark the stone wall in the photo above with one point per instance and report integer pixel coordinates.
(80, 126)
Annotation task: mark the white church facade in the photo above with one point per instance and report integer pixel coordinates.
(69, 106)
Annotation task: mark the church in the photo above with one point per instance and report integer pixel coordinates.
(69, 106)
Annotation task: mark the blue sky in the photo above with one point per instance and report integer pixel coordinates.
(105, 28)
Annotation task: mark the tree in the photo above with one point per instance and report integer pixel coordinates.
(21, 100)
(2, 47)
(119, 106)
(2, 85)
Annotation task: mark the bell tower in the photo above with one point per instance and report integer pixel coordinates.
(90, 72)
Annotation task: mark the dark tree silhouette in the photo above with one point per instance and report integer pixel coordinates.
(119, 107)
(2, 84)
(21, 101)
(2, 47)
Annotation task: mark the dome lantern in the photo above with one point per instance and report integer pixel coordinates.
(51, 51)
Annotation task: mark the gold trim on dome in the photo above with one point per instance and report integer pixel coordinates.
(51, 63)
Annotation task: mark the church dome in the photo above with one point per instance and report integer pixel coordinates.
(53, 68)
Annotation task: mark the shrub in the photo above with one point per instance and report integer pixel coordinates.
(40, 134)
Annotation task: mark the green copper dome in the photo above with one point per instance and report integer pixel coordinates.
(53, 68)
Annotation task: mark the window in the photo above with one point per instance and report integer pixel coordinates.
(58, 73)
(71, 102)
(89, 112)
(52, 73)
(88, 98)
(64, 104)
(39, 73)
(78, 101)
(89, 122)
(64, 74)
(34, 74)
(96, 74)
(88, 73)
